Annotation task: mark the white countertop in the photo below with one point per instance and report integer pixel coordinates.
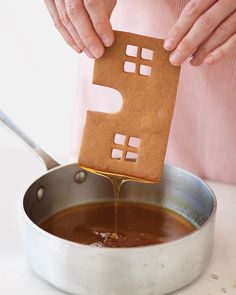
(20, 168)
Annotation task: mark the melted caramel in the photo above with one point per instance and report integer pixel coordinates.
(116, 181)
(138, 224)
(117, 224)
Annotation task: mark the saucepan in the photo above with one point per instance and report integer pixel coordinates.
(86, 270)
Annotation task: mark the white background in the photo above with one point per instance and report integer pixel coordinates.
(37, 77)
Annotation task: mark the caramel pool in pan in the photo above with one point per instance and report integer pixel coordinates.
(138, 224)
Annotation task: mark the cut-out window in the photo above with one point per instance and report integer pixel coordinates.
(134, 142)
(116, 154)
(125, 147)
(147, 54)
(131, 50)
(145, 70)
(139, 60)
(129, 67)
(119, 139)
(130, 156)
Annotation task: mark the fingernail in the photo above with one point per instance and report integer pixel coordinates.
(209, 60)
(77, 49)
(193, 62)
(169, 43)
(175, 59)
(96, 51)
(106, 40)
(88, 53)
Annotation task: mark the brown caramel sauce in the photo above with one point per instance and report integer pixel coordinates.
(138, 224)
(116, 181)
(119, 223)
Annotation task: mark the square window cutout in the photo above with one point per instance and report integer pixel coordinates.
(131, 156)
(116, 154)
(129, 67)
(145, 70)
(132, 50)
(134, 142)
(147, 54)
(119, 139)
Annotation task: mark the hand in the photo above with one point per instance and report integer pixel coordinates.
(84, 24)
(206, 30)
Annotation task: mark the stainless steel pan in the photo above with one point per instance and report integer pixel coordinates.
(85, 270)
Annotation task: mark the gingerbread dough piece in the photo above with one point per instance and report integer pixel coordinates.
(138, 67)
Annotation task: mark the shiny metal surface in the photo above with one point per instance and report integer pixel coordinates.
(41, 193)
(80, 176)
(35, 148)
(85, 270)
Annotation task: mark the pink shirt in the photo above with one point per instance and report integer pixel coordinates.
(203, 132)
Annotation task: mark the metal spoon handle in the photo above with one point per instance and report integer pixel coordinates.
(48, 161)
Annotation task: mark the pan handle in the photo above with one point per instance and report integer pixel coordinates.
(48, 161)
